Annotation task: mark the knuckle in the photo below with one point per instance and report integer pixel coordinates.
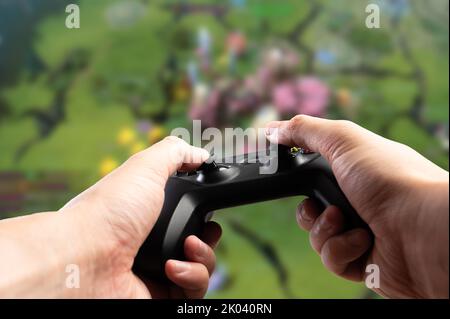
(344, 126)
(203, 277)
(137, 156)
(325, 254)
(211, 263)
(177, 143)
(295, 125)
(338, 140)
(328, 250)
(331, 259)
(297, 121)
(172, 139)
(314, 240)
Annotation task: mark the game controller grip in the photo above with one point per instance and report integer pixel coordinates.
(185, 209)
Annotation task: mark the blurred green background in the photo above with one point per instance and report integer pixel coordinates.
(74, 103)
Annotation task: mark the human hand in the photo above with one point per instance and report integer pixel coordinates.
(402, 196)
(115, 216)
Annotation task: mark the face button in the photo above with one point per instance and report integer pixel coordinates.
(305, 151)
(294, 151)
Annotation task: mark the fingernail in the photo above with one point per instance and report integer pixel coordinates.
(299, 213)
(304, 214)
(181, 267)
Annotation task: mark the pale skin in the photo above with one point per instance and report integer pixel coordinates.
(101, 231)
(401, 195)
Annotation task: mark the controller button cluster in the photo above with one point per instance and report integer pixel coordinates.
(294, 151)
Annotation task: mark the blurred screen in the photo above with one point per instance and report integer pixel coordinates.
(75, 103)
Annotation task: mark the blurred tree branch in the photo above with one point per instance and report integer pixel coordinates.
(267, 251)
(296, 35)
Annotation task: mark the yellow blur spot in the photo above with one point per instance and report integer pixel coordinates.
(155, 134)
(343, 97)
(137, 147)
(107, 165)
(223, 60)
(126, 136)
(181, 93)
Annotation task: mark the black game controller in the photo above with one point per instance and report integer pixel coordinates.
(190, 196)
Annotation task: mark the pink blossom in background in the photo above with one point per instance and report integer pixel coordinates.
(280, 59)
(264, 77)
(251, 83)
(307, 95)
(284, 97)
(236, 42)
(207, 112)
(257, 83)
(204, 58)
(244, 102)
(314, 96)
(291, 59)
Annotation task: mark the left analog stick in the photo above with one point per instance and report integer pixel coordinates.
(215, 173)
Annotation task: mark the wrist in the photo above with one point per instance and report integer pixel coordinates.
(428, 242)
(37, 251)
(89, 251)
